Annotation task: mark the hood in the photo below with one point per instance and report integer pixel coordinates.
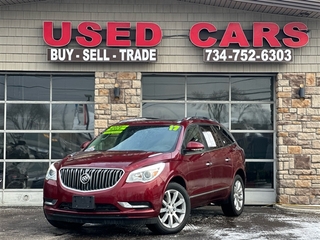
(111, 159)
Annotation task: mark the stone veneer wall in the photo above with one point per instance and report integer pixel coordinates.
(108, 110)
(298, 139)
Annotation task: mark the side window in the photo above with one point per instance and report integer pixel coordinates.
(225, 138)
(210, 137)
(192, 134)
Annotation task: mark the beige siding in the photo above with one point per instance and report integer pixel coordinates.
(22, 47)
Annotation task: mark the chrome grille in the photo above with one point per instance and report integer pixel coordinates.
(90, 179)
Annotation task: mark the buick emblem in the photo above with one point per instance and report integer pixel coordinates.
(85, 178)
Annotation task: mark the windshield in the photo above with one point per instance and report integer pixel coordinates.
(137, 138)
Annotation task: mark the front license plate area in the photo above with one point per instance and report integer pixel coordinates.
(83, 202)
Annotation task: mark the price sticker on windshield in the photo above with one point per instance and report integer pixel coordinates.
(116, 129)
(174, 127)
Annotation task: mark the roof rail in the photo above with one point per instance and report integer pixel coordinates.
(137, 119)
(199, 117)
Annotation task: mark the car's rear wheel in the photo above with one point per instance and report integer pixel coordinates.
(235, 204)
(64, 225)
(175, 211)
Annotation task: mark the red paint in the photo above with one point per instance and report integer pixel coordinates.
(118, 33)
(88, 29)
(195, 34)
(90, 36)
(294, 30)
(262, 31)
(234, 34)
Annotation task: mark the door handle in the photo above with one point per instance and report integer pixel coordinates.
(208, 164)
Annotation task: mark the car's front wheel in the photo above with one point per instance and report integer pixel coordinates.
(235, 204)
(175, 211)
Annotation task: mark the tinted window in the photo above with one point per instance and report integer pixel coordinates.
(210, 136)
(28, 116)
(225, 137)
(207, 88)
(252, 88)
(29, 88)
(163, 88)
(1, 87)
(72, 88)
(192, 135)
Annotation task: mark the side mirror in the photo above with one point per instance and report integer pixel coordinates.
(194, 146)
(84, 145)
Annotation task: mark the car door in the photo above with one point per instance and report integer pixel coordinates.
(227, 153)
(217, 159)
(199, 171)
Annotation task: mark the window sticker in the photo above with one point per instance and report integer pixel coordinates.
(174, 127)
(115, 129)
(209, 139)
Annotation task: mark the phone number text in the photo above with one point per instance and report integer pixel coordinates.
(247, 55)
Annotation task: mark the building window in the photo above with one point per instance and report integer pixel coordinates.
(242, 103)
(42, 119)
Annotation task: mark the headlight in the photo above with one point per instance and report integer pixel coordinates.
(51, 173)
(146, 174)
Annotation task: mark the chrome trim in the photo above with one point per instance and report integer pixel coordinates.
(100, 178)
(201, 194)
(128, 205)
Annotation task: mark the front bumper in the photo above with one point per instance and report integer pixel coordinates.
(125, 203)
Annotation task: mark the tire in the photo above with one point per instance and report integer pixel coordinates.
(65, 225)
(175, 211)
(234, 206)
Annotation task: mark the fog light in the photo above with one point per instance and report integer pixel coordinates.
(135, 205)
(50, 202)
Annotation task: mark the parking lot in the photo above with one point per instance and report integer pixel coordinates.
(256, 222)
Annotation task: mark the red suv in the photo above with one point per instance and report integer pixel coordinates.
(147, 171)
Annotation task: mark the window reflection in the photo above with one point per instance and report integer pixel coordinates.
(63, 144)
(29, 88)
(163, 110)
(252, 116)
(73, 116)
(1, 87)
(1, 175)
(256, 145)
(1, 145)
(259, 175)
(27, 146)
(252, 88)
(28, 116)
(25, 174)
(72, 88)
(1, 116)
(207, 88)
(163, 88)
(219, 112)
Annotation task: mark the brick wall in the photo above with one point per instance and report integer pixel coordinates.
(109, 110)
(298, 139)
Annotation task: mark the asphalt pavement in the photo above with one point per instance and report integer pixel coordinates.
(256, 222)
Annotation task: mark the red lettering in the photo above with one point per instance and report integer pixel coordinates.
(141, 40)
(113, 32)
(194, 34)
(65, 34)
(294, 30)
(259, 34)
(87, 29)
(234, 34)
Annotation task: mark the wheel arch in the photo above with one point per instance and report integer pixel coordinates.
(242, 174)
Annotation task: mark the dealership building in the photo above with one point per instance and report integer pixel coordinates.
(71, 68)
